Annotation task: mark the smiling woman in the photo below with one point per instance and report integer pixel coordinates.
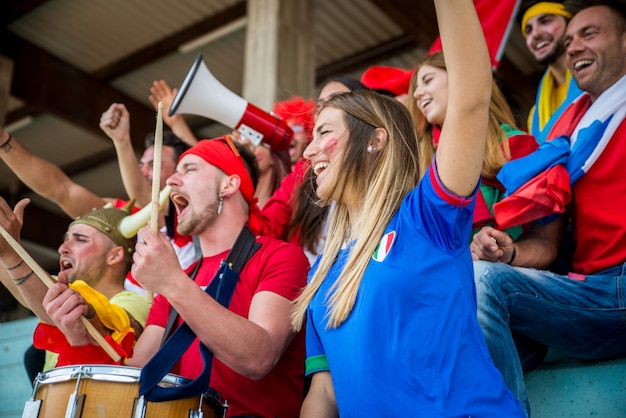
(367, 299)
(429, 90)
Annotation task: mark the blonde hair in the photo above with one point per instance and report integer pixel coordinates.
(378, 180)
(497, 151)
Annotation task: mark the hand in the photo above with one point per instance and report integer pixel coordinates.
(237, 137)
(115, 122)
(492, 245)
(162, 92)
(155, 265)
(65, 306)
(11, 221)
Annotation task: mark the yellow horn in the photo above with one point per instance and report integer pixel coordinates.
(130, 225)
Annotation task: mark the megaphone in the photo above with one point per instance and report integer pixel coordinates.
(203, 95)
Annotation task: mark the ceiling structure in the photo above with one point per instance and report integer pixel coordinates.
(73, 58)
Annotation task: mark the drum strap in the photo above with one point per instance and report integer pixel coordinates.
(221, 289)
(173, 316)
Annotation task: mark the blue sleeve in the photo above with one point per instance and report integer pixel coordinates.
(439, 215)
(315, 355)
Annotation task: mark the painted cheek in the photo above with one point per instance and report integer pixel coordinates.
(330, 146)
(557, 30)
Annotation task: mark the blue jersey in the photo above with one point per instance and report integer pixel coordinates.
(412, 343)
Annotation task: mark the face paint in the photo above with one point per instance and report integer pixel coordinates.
(330, 146)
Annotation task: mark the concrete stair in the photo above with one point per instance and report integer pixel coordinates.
(15, 387)
(566, 387)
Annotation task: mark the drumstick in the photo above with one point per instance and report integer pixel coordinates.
(156, 179)
(93, 332)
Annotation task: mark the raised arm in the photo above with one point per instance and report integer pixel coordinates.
(462, 143)
(18, 277)
(115, 122)
(162, 92)
(46, 179)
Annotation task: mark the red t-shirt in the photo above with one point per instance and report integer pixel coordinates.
(276, 213)
(277, 267)
(598, 210)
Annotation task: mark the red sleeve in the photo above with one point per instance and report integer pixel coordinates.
(159, 312)
(521, 145)
(276, 213)
(50, 338)
(119, 203)
(281, 268)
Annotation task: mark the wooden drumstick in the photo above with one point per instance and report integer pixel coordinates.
(156, 179)
(43, 276)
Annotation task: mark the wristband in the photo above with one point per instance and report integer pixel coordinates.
(512, 256)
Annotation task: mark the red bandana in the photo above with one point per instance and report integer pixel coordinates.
(219, 153)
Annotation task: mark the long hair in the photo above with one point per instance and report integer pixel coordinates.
(377, 180)
(308, 219)
(497, 151)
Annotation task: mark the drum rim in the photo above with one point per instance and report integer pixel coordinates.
(88, 370)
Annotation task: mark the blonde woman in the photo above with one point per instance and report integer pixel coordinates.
(429, 90)
(390, 304)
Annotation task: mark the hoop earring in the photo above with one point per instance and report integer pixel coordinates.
(220, 205)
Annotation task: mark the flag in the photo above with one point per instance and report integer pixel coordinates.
(541, 190)
(497, 17)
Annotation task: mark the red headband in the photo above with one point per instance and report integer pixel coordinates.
(218, 152)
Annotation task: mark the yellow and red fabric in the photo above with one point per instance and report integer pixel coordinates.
(112, 316)
(536, 188)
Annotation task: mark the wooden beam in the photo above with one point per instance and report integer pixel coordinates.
(366, 58)
(11, 10)
(55, 87)
(170, 44)
(416, 18)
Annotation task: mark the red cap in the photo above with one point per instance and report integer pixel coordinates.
(395, 80)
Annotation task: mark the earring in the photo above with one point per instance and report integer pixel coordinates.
(220, 205)
(370, 148)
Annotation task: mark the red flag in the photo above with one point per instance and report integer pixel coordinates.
(542, 196)
(496, 18)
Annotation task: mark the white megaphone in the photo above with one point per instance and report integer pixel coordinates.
(201, 94)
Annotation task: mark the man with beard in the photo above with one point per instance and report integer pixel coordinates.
(95, 258)
(580, 313)
(258, 359)
(543, 26)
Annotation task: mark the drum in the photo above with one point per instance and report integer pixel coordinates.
(111, 391)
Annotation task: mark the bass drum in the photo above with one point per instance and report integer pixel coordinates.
(111, 391)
